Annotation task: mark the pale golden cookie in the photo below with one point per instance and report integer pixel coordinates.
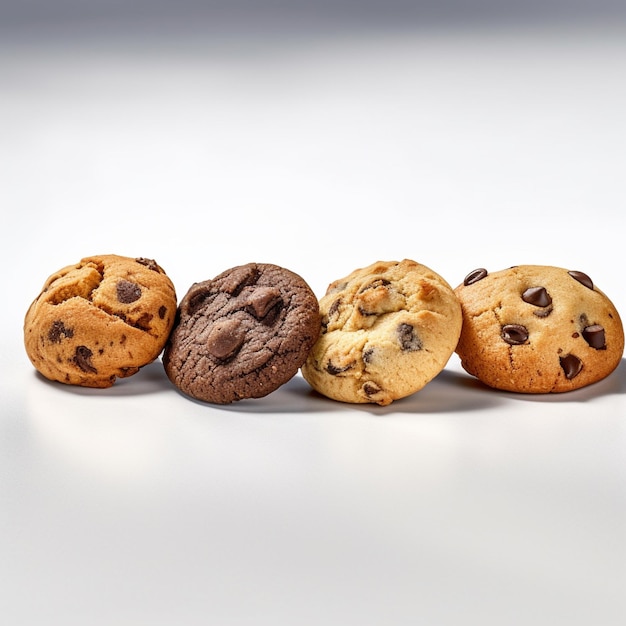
(537, 329)
(387, 330)
(100, 319)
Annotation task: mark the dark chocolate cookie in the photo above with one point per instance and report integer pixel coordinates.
(242, 334)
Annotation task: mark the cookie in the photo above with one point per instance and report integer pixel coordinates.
(387, 330)
(100, 319)
(537, 329)
(242, 334)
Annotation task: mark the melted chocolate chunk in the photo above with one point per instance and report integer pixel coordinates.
(150, 264)
(514, 334)
(475, 275)
(409, 341)
(196, 300)
(239, 278)
(371, 389)
(82, 360)
(379, 282)
(58, 331)
(365, 313)
(225, 338)
(594, 336)
(537, 296)
(263, 300)
(334, 307)
(582, 278)
(367, 355)
(128, 292)
(162, 311)
(571, 365)
(334, 370)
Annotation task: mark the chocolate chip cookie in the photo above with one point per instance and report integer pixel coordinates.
(100, 319)
(242, 334)
(387, 330)
(537, 329)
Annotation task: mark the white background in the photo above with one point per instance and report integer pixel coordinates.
(456, 144)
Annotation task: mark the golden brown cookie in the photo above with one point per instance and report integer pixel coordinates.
(100, 319)
(537, 329)
(387, 330)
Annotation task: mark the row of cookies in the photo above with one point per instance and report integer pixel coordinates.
(379, 334)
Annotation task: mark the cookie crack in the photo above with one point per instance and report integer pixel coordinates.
(143, 323)
(83, 288)
(99, 267)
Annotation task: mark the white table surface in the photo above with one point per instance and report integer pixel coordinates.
(459, 147)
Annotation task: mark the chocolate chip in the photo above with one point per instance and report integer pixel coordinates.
(128, 292)
(582, 278)
(365, 313)
(409, 341)
(371, 389)
(262, 300)
(225, 338)
(367, 355)
(537, 296)
(594, 336)
(514, 334)
(334, 370)
(150, 264)
(571, 365)
(379, 282)
(162, 311)
(82, 359)
(58, 331)
(475, 275)
(334, 307)
(196, 299)
(239, 278)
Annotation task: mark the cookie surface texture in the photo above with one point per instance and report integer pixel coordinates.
(537, 329)
(387, 330)
(242, 334)
(103, 318)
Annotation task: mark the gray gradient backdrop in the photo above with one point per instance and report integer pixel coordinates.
(320, 136)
